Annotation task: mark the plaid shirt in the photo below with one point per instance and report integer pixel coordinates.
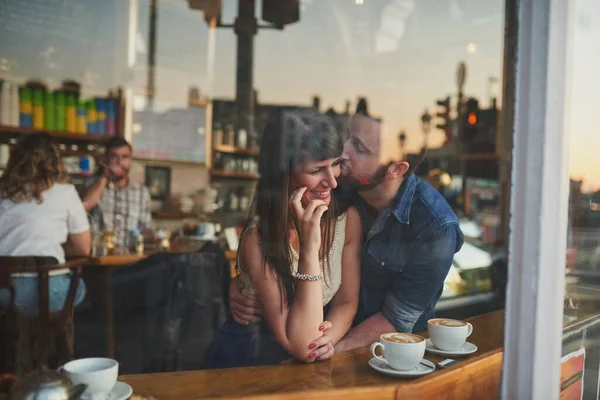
(122, 210)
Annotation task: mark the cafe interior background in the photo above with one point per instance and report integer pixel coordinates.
(168, 76)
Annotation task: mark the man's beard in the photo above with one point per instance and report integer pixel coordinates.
(122, 177)
(362, 183)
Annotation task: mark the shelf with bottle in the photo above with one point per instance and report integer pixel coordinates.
(233, 200)
(236, 150)
(63, 112)
(234, 154)
(233, 174)
(15, 131)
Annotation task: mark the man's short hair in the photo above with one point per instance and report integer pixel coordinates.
(116, 142)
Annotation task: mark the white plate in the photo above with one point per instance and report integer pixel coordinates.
(465, 349)
(121, 391)
(425, 367)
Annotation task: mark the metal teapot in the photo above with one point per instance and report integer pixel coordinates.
(46, 385)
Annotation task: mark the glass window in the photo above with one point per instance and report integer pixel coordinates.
(583, 241)
(390, 107)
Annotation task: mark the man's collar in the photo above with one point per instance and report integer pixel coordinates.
(404, 199)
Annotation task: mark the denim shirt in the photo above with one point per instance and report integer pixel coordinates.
(406, 256)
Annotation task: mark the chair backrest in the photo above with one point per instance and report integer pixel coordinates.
(27, 342)
(41, 266)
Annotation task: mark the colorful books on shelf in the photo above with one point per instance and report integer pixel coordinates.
(34, 106)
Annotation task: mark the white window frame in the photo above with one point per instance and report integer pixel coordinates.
(539, 203)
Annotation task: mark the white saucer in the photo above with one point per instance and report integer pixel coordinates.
(121, 391)
(465, 349)
(425, 367)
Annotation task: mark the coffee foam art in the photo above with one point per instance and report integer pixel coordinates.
(448, 322)
(402, 338)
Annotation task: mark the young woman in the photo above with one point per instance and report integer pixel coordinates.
(40, 216)
(299, 257)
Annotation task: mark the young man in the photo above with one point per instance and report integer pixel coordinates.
(411, 235)
(114, 201)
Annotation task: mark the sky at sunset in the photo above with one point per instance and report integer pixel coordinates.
(401, 54)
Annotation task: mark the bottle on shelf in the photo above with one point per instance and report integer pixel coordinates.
(136, 242)
(71, 113)
(81, 117)
(242, 139)
(111, 116)
(15, 107)
(60, 107)
(100, 116)
(4, 103)
(49, 112)
(218, 161)
(244, 200)
(234, 200)
(228, 135)
(91, 117)
(38, 108)
(218, 138)
(25, 108)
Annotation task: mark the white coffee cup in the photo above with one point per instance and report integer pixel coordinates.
(448, 334)
(401, 351)
(99, 374)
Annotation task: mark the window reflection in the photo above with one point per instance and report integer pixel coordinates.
(583, 240)
(428, 72)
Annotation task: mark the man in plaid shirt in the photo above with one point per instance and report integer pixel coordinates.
(115, 203)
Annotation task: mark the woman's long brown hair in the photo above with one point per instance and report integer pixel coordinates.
(34, 166)
(290, 137)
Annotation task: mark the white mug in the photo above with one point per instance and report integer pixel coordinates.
(401, 351)
(99, 374)
(448, 334)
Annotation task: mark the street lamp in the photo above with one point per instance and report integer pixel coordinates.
(402, 139)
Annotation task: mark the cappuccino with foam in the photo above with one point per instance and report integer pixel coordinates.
(447, 322)
(402, 337)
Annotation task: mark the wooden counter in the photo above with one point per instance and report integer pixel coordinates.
(346, 376)
(116, 261)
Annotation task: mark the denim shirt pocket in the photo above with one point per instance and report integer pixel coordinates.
(390, 249)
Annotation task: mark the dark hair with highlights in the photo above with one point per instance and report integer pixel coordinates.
(33, 167)
(289, 138)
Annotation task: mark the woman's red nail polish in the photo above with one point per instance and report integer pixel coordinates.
(311, 355)
(321, 327)
(312, 346)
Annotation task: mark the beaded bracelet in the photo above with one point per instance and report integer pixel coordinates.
(307, 277)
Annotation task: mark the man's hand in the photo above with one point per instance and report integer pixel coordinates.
(243, 309)
(341, 346)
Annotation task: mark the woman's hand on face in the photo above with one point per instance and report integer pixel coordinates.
(322, 347)
(309, 220)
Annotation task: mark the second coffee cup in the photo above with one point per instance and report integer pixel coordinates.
(448, 334)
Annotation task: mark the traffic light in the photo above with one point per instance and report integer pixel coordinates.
(445, 123)
(471, 125)
(211, 8)
(472, 118)
(281, 12)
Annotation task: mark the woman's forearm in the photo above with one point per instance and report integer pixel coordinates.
(341, 317)
(306, 311)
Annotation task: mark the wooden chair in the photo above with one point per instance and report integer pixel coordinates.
(46, 340)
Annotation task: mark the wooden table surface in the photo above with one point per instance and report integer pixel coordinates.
(345, 376)
(116, 261)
